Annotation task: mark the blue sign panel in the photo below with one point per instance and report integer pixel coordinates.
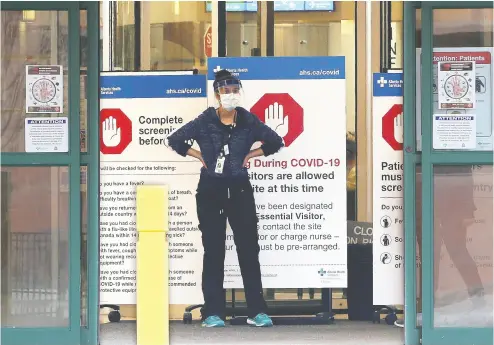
(280, 68)
(387, 84)
(152, 86)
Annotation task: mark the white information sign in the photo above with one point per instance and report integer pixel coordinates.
(454, 132)
(387, 234)
(300, 191)
(44, 89)
(482, 86)
(456, 82)
(138, 112)
(46, 134)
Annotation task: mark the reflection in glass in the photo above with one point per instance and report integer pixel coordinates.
(177, 31)
(124, 40)
(83, 81)
(463, 223)
(418, 232)
(37, 39)
(84, 252)
(418, 99)
(322, 33)
(455, 31)
(396, 39)
(34, 240)
(241, 33)
(466, 34)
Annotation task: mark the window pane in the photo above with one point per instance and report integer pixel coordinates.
(418, 254)
(29, 38)
(418, 104)
(124, 40)
(241, 33)
(396, 34)
(465, 35)
(463, 27)
(83, 81)
(463, 225)
(84, 252)
(323, 33)
(35, 247)
(177, 31)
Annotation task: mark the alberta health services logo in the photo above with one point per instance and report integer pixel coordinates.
(115, 131)
(281, 113)
(383, 82)
(325, 274)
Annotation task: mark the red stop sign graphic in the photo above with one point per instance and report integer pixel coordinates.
(208, 42)
(288, 119)
(115, 131)
(388, 127)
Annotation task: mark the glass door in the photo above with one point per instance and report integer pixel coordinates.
(49, 172)
(448, 178)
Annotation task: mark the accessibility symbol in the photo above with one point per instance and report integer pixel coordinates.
(385, 222)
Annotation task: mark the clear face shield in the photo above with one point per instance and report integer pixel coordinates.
(229, 94)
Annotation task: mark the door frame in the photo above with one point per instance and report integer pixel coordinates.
(74, 333)
(428, 158)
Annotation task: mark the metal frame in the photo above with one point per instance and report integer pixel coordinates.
(428, 158)
(74, 159)
(412, 333)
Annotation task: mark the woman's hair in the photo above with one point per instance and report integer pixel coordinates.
(220, 76)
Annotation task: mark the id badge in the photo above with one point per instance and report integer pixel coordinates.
(219, 165)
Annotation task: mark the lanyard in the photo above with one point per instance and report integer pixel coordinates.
(226, 141)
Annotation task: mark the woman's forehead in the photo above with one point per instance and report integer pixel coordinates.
(229, 89)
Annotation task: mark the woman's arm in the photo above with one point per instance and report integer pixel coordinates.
(196, 154)
(179, 141)
(252, 154)
(272, 142)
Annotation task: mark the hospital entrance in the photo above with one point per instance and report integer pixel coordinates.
(380, 198)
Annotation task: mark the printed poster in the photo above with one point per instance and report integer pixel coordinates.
(456, 82)
(300, 191)
(44, 89)
(138, 112)
(388, 227)
(482, 109)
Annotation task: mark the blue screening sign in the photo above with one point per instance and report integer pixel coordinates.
(138, 111)
(387, 185)
(300, 191)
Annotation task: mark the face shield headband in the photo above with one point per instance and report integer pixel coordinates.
(230, 85)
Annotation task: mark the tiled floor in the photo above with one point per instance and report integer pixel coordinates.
(341, 333)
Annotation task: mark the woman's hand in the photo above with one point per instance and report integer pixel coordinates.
(254, 153)
(197, 155)
(246, 160)
(202, 161)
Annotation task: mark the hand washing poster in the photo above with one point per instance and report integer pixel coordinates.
(464, 102)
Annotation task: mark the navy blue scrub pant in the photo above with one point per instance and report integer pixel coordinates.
(233, 199)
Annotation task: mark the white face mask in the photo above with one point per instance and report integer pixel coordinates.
(230, 101)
